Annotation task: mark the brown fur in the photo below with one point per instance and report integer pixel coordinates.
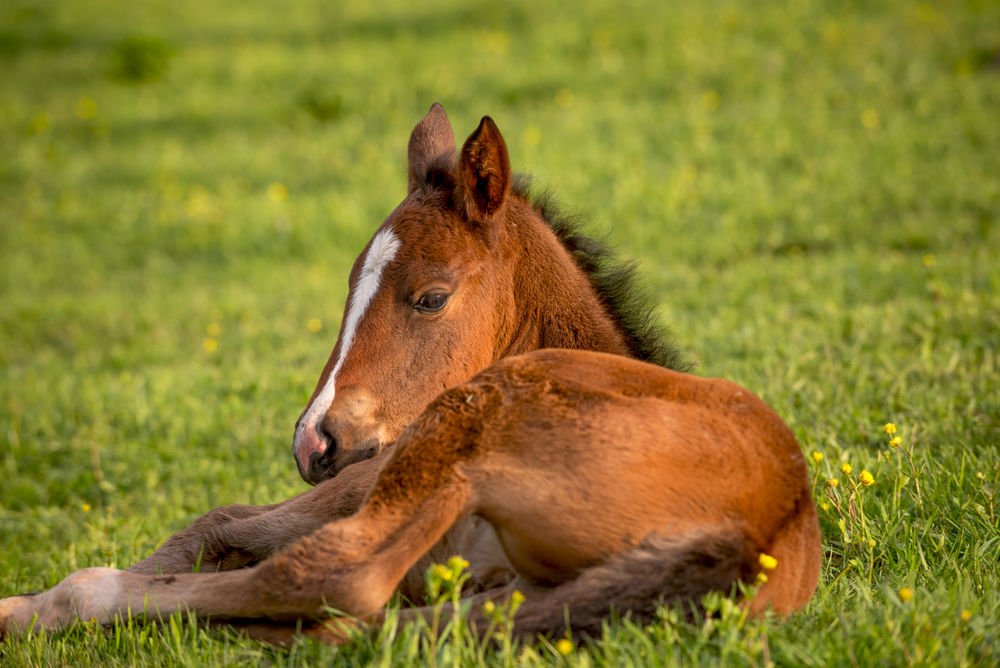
(591, 481)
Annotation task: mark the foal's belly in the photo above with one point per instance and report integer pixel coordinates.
(554, 547)
(568, 494)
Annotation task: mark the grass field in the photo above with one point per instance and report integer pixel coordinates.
(812, 190)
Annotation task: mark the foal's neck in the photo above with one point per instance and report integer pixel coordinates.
(557, 307)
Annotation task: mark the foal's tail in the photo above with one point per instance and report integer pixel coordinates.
(660, 571)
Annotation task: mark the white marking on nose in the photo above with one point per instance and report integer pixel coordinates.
(382, 250)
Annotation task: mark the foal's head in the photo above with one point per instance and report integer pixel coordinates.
(462, 273)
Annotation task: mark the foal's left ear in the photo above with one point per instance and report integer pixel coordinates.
(484, 172)
(432, 140)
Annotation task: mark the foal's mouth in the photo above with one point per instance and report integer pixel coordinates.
(345, 458)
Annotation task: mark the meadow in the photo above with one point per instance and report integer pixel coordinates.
(811, 189)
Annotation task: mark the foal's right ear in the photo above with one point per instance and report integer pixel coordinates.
(484, 172)
(431, 140)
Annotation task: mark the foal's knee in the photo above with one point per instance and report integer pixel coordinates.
(312, 587)
(363, 594)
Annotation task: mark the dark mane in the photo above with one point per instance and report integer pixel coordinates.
(626, 300)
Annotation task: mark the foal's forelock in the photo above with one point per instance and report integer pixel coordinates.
(383, 248)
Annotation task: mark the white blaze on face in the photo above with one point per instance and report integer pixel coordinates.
(382, 250)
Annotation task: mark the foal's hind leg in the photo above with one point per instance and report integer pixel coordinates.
(337, 630)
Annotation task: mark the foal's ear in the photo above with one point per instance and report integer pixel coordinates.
(431, 140)
(484, 172)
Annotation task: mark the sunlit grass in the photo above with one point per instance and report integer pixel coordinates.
(810, 189)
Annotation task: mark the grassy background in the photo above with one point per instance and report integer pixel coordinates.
(811, 188)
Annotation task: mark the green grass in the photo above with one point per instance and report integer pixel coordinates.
(811, 188)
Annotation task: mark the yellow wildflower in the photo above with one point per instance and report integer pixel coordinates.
(85, 507)
(767, 562)
(86, 108)
(817, 456)
(895, 441)
(564, 646)
(966, 615)
(517, 598)
(832, 482)
(489, 607)
(889, 428)
(457, 564)
(441, 572)
(40, 122)
(871, 542)
(564, 98)
(210, 345)
(870, 119)
(824, 506)
(866, 478)
(532, 136)
(833, 34)
(277, 192)
(846, 469)
(314, 325)
(905, 594)
(761, 578)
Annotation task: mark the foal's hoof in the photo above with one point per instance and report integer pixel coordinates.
(92, 593)
(16, 616)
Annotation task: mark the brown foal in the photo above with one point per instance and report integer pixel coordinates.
(588, 478)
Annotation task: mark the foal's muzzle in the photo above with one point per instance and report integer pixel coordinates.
(347, 432)
(321, 454)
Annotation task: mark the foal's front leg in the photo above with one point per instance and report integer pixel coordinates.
(235, 536)
(202, 546)
(352, 565)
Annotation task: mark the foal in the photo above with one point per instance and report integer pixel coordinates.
(586, 479)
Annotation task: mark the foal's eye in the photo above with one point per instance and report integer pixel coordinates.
(431, 302)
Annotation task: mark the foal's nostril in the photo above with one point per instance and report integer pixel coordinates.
(328, 438)
(321, 462)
